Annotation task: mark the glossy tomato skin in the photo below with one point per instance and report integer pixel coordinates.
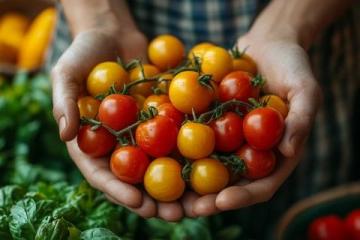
(186, 93)
(155, 101)
(245, 63)
(329, 227)
(88, 106)
(237, 85)
(166, 51)
(258, 164)
(228, 131)
(195, 140)
(168, 110)
(352, 224)
(263, 128)
(129, 164)
(208, 176)
(217, 62)
(144, 89)
(199, 50)
(163, 180)
(95, 143)
(118, 111)
(104, 75)
(275, 102)
(157, 136)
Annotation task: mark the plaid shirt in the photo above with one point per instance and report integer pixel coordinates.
(332, 154)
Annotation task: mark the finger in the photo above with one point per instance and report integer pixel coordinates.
(171, 211)
(134, 46)
(261, 190)
(98, 174)
(68, 76)
(188, 201)
(205, 206)
(303, 105)
(148, 208)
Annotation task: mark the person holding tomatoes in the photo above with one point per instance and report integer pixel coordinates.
(277, 35)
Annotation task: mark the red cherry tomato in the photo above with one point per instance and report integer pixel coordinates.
(118, 111)
(238, 85)
(352, 224)
(327, 228)
(263, 128)
(95, 143)
(228, 131)
(129, 164)
(259, 164)
(157, 136)
(168, 110)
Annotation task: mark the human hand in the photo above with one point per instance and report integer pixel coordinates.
(284, 63)
(69, 81)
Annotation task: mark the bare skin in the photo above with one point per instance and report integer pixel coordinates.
(278, 41)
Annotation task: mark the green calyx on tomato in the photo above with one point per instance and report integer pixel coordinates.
(236, 53)
(258, 81)
(233, 161)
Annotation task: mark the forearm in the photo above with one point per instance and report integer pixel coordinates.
(109, 15)
(301, 20)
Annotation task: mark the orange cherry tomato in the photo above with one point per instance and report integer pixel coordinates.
(155, 101)
(164, 82)
(208, 176)
(244, 63)
(199, 49)
(187, 93)
(163, 180)
(88, 106)
(217, 62)
(275, 102)
(144, 89)
(166, 51)
(105, 75)
(195, 140)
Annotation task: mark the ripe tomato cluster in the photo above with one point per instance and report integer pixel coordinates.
(196, 121)
(332, 227)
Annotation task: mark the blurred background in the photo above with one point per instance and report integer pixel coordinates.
(42, 194)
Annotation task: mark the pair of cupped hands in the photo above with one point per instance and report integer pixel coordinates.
(279, 57)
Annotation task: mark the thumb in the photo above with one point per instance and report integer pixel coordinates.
(303, 107)
(68, 77)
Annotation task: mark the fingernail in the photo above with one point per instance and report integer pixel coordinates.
(62, 124)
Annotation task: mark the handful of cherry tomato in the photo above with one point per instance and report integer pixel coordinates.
(197, 121)
(332, 227)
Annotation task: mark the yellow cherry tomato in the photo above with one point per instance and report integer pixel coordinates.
(217, 62)
(208, 176)
(155, 101)
(187, 93)
(195, 140)
(144, 89)
(275, 102)
(164, 82)
(163, 180)
(140, 99)
(199, 49)
(105, 75)
(88, 106)
(166, 51)
(244, 63)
